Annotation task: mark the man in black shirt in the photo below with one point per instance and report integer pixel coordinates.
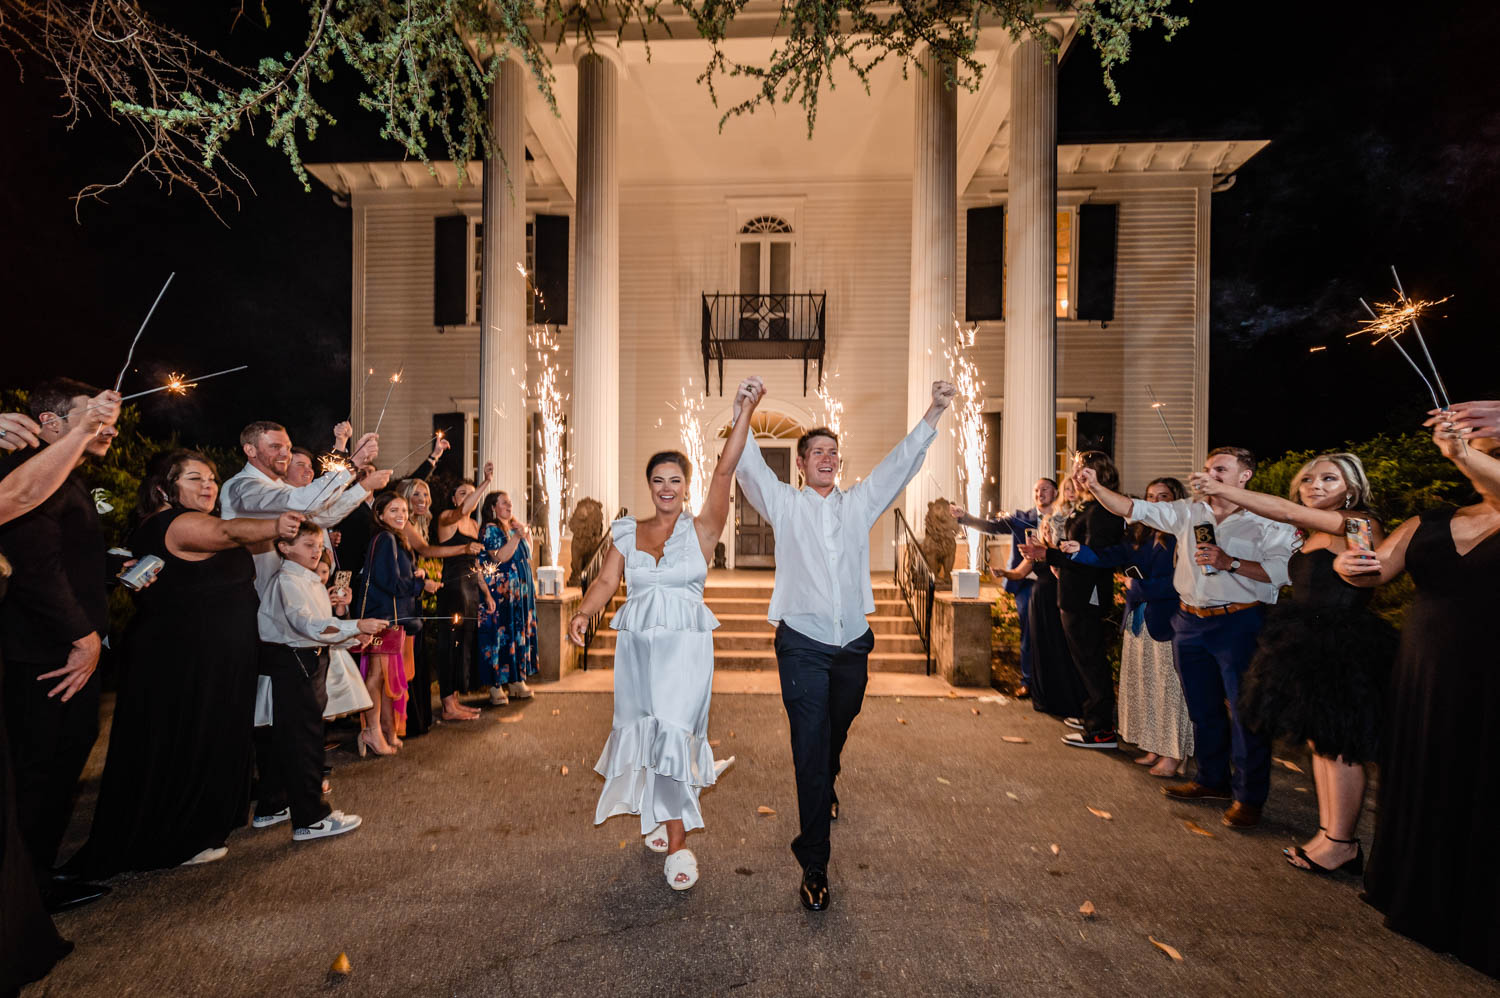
(51, 627)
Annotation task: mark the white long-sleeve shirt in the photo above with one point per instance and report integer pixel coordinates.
(295, 611)
(254, 493)
(823, 544)
(1242, 534)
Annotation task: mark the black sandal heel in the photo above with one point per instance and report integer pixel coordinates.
(1354, 866)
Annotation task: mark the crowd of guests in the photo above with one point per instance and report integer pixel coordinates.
(291, 595)
(1247, 619)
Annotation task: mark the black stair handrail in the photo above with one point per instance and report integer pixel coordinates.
(586, 576)
(915, 582)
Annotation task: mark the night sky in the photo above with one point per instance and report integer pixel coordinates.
(1375, 159)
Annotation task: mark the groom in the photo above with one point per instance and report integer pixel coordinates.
(819, 604)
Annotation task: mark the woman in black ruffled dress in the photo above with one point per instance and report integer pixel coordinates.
(1432, 866)
(1320, 672)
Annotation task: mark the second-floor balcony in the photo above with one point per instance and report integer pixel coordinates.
(773, 326)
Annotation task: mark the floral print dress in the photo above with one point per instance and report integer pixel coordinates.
(507, 637)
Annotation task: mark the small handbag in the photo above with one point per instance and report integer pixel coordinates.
(392, 640)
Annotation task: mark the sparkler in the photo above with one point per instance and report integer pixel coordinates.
(395, 380)
(329, 464)
(691, 430)
(833, 418)
(354, 406)
(968, 415)
(138, 332)
(550, 439)
(177, 384)
(1388, 320)
(427, 444)
(1158, 405)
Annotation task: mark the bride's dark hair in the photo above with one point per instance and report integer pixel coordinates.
(670, 457)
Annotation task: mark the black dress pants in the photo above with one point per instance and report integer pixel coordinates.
(291, 774)
(822, 688)
(1086, 632)
(50, 742)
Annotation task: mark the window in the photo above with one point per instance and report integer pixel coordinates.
(1066, 428)
(1064, 260)
(765, 256)
(985, 250)
(476, 266)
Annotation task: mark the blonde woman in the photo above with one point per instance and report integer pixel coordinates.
(1320, 670)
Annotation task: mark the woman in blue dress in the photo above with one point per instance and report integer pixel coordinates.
(507, 622)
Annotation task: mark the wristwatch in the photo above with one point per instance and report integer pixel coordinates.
(1234, 565)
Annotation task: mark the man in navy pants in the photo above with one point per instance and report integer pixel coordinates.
(1223, 590)
(819, 604)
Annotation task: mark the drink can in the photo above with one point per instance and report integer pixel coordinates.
(139, 575)
(1357, 533)
(1203, 533)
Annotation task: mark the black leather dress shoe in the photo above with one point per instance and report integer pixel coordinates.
(65, 895)
(814, 891)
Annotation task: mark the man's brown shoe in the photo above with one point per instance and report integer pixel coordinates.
(1196, 791)
(1242, 815)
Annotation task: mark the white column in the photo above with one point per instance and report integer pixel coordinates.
(503, 422)
(934, 272)
(1029, 429)
(596, 344)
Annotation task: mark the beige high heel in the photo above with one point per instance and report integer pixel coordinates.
(364, 742)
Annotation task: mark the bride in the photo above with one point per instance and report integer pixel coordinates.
(658, 759)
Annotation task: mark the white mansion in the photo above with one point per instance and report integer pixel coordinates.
(675, 257)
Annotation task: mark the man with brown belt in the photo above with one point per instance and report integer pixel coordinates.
(1238, 567)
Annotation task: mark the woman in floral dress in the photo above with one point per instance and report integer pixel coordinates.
(507, 622)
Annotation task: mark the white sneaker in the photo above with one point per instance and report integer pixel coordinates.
(207, 856)
(1074, 723)
(498, 697)
(336, 823)
(267, 820)
(519, 691)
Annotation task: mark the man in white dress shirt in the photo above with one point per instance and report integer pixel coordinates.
(1217, 623)
(261, 487)
(819, 603)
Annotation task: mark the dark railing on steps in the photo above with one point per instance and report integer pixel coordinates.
(915, 582)
(589, 573)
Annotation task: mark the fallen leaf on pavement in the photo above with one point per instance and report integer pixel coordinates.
(898, 699)
(1056, 849)
(1300, 790)
(512, 719)
(952, 695)
(1288, 764)
(1087, 909)
(974, 709)
(341, 964)
(944, 782)
(1013, 739)
(731, 734)
(765, 810)
(900, 720)
(1101, 814)
(623, 843)
(555, 712)
(1011, 795)
(1169, 950)
(1197, 829)
(565, 770)
(714, 743)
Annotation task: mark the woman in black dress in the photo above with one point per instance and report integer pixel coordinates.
(177, 778)
(1432, 868)
(1056, 687)
(1324, 659)
(458, 644)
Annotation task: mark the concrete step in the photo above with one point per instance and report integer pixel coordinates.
(729, 640)
(910, 662)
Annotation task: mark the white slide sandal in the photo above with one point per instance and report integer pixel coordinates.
(722, 764)
(679, 863)
(656, 839)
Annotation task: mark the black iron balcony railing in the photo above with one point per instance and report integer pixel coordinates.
(778, 326)
(915, 582)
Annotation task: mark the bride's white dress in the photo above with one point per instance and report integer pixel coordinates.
(658, 759)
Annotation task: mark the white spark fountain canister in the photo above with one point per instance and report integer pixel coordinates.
(966, 583)
(549, 580)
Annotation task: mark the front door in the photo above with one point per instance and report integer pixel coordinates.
(754, 541)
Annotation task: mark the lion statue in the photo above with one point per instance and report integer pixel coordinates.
(939, 530)
(587, 527)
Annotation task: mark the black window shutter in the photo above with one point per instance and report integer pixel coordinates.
(1098, 225)
(550, 258)
(1096, 431)
(450, 270)
(455, 427)
(984, 264)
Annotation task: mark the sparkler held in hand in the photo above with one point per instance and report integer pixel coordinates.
(1158, 405)
(395, 380)
(1389, 320)
(138, 332)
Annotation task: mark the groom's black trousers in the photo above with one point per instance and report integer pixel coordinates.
(822, 687)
